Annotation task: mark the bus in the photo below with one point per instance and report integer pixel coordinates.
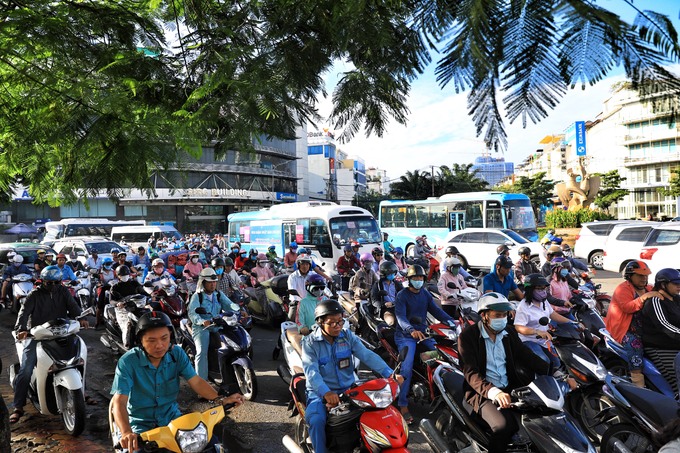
(403, 220)
(323, 227)
(83, 227)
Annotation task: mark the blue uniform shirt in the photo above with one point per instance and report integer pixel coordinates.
(496, 371)
(67, 273)
(11, 270)
(152, 392)
(491, 282)
(410, 305)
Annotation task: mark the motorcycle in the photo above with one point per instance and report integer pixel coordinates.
(22, 284)
(82, 289)
(229, 355)
(120, 319)
(364, 418)
(58, 378)
(544, 426)
(170, 300)
(275, 309)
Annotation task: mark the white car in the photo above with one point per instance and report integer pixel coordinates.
(591, 239)
(662, 248)
(623, 245)
(477, 246)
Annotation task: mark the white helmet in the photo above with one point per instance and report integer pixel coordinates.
(494, 301)
(207, 274)
(18, 259)
(448, 262)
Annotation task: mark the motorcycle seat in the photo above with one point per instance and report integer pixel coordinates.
(366, 310)
(300, 388)
(660, 408)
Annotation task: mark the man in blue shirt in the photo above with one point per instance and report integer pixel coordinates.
(327, 360)
(146, 383)
(15, 267)
(66, 272)
(500, 280)
(411, 308)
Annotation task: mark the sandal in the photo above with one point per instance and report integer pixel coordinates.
(16, 415)
(408, 418)
(91, 401)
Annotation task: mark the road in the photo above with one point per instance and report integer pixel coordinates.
(261, 423)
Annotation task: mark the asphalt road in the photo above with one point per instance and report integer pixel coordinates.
(261, 423)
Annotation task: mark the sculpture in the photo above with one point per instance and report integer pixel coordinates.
(576, 194)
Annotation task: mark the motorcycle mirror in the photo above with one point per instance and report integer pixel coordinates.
(200, 311)
(86, 312)
(451, 285)
(544, 321)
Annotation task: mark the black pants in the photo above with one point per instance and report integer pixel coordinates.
(451, 310)
(503, 425)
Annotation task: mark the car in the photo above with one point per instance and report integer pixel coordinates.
(591, 239)
(26, 249)
(623, 244)
(83, 246)
(662, 248)
(477, 246)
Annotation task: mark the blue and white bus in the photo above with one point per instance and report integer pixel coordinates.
(324, 227)
(403, 220)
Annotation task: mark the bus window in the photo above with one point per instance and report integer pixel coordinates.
(361, 229)
(438, 216)
(393, 216)
(473, 214)
(288, 234)
(494, 218)
(319, 236)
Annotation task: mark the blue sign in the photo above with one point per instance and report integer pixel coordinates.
(284, 196)
(580, 127)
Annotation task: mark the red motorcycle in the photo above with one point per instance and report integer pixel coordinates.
(170, 300)
(364, 418)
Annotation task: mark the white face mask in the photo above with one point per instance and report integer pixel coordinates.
(74, 260)
(124, 278)
(194, 260)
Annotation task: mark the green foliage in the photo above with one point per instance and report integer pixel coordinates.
(457, 179)
(610, 189)
(573, 219)
(537, 188)
(673, 189)
(412, 185)
(370, 201)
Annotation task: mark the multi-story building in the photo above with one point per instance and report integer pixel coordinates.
(377, 181)
(492, 169)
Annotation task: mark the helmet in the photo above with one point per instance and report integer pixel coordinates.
(141, 249)
(208, 273)
(524, 251)
(107, 261)
(419, 239)
(217, 262)
(262, 257)
(355, 244)
(313, 282)
(501, 249)
(302, 250)
(534, 280)
(451, 250)
(115, 250)
(377, 251)
(448, 262)
(303, 258)
(158, 261)
(565, 247)
(636, 267)
(228, 262)
(18, 259)
(398, 251)
(327, 307)
(555, 250)
(551, 231)
(72, 255)
(152, 320)
(560, 262)
(40, 251)
(61, 255)
(253, 252)
(122, 270)
(347, 248)
(48, 253)
(415, 270)
(387, 267)
(122, 253)
(271, 248)
(51, 274)
(194, 253)
(667, 275)
(494, 301)
(292, 245)
(366, 258)
(503, 261)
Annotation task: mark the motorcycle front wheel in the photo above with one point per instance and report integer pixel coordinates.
(587, 407)
(247, 381)
(73, 410)
(627, 435)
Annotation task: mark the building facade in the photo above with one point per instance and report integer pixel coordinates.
(377, 181)
(492, 169)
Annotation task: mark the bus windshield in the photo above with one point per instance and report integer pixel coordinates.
(520, 215)
(354, 228)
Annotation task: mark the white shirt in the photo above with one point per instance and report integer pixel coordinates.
(90, 263)
(296, 281)
(528, 315)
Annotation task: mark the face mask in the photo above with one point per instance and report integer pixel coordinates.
(124, 278)
(391, 276)
(234, 250)
(417, 284)
(564, 272)
(261, 264)
(316, 291)
(219, 271)
(368, 266)
(454, 270)
(194, 260)
(243, 255)
(540, 295)
(107, 266)
(16, 264)
(498, 324)
(74, 260)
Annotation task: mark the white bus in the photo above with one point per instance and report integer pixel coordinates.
(322, 226)
(138, 235)
(83, 227)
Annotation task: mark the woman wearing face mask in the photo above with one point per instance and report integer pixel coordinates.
(559, 286)
(241, 259)
(360, 286)
(74, 264)
(261, 272)
(192, 270)
(384, 292)
(304, 316)
(448, 296)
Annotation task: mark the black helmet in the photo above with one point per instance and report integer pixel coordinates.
(386, 268)
(534, 280)
(327, 307)
(122, 270)
(415, 270)
(228, 262)
(524, 251)
(451, 250)
(152, 320)
(218, 262)
(501, 249)
(376, 251)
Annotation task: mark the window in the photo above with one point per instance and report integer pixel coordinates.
(67, 249)
(473, 213)
(495, 238)
(438, 216)
(476, 237)
(601, 230)
(494, 218)
(663, 237)
(633, 234)
(393, 216)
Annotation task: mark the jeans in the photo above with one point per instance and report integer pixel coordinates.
(22, 381)
(406, 369)
(315, 416)
(549, 357)
(202, 342)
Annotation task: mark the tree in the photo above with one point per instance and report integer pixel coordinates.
(537, 188)
(412, 185)
(610, 189)
(371, 201)
(459, 178)
(100, 94)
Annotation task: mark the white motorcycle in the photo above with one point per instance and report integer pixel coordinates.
(83, 289)
(22, 284)
(58, 380)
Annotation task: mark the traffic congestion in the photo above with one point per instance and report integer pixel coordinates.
(524, 352)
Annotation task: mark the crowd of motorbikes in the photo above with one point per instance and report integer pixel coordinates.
(605, 409)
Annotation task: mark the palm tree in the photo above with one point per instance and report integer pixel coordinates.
(459, 178)
(414, 185)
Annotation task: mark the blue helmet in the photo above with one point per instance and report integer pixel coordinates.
(293, 245)
(271, 248)
(667, 275)
(302, 250)
(51, 274)
(399, 250)
(108, 261)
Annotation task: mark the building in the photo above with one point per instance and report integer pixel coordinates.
(492, 169)
(377, 181)
(198, 194)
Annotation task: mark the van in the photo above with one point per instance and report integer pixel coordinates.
(591, 239)
(623, 244)
(135, 236)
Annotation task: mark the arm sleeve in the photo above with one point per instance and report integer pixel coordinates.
(310, 365)
(464, 273)
(184, 365)
(24, 312)
(376, 298)
(194, 317)
(661, 319)
(123, 379)
(400, 312)
(443, 289)
(624, 298)
(72, 306)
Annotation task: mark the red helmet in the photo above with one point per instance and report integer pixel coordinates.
(61, 255)
(636, 267)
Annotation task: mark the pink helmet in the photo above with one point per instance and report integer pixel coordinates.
(367, 258)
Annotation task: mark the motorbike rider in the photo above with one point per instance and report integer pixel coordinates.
(384, 292)
(452, 252)
(378, 254)
(39, 263)
(411, 308)
(241, 260)
(387, 246)
(398, 258)
(447, 295)
(559, 286)
(297, 279)
(364, 279)
(554, 251)
(624, 317)
(347, 263)
(550, 235)
(74, 263)
(420, 253)
(47, 301)
(158, 274)
(141, 258)
(121, 260)
(49, 259)
(146, 382)
(106, 276)
(271, 254)
(327, 359)
(291, 255)
(249, 264)
(495, 362)
(215, 302)
(499, 281)
(66, 271)
(261, 272)
(191, 270)
(125, 286)
(304, 315)
(315, 267)
(17, 267)
(235, 250)
(524, 266)
(228, 280)
(94, 261)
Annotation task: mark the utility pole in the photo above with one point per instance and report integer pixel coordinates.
(432, 178)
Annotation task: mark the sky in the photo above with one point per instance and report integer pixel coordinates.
(440, 132)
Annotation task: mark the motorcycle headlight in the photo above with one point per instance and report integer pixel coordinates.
(192, 441)
(381, 398)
